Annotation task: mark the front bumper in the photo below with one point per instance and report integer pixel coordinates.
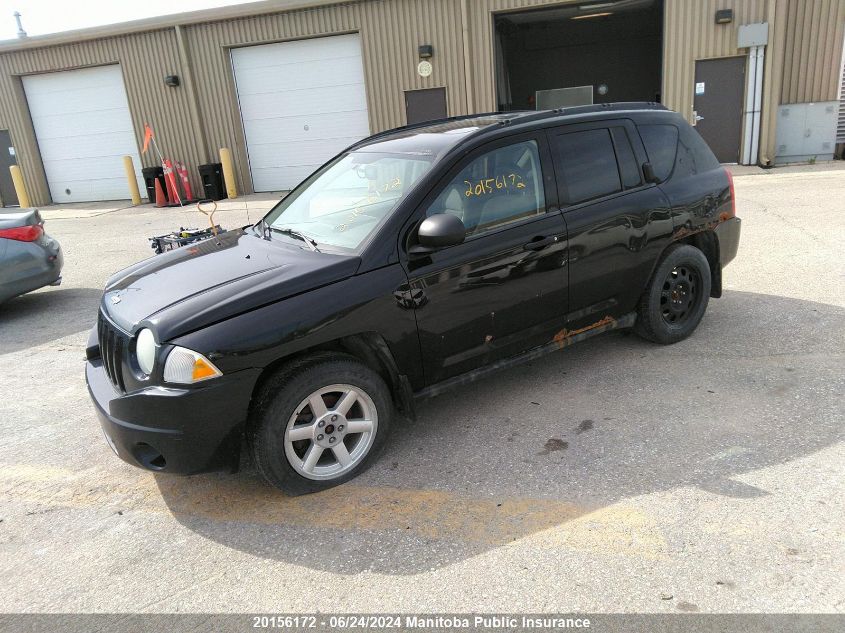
(174, 430)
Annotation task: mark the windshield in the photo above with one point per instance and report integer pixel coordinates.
(344, 203)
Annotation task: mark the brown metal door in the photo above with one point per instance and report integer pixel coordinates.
(8, 197)
(719, 86)
(425, 105)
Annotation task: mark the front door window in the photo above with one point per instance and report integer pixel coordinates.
(497, 188)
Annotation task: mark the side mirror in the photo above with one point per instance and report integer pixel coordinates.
(439, 231)
(648, 172)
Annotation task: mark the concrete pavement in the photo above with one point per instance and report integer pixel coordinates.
(616, 476)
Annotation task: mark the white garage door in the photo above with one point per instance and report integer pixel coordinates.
(301, 103)
(83, 127)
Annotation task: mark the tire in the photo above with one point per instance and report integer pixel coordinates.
(676, 298)
(284, 434)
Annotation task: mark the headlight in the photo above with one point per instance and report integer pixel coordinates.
(185, 367)
(145, 351)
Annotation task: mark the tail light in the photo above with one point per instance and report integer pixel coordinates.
(731, 212)
(28, 233)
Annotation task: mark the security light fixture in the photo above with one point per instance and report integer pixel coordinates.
(426, 51)
(724, 16)
(172, 81)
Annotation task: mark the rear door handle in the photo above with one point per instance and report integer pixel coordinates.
(539, 243)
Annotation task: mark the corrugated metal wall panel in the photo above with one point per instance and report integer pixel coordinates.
(772, 79)
(691, 34)
(840, 128)
(145, 59)
(813, 50)
(391, 31)
(801, 60)
(17, 121)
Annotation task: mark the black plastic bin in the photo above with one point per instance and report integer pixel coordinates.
(211, 176)
(150, 174)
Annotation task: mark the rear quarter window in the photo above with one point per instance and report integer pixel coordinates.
(694, 156)
(661, 144)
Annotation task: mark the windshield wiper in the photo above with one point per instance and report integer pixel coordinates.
(312, 244)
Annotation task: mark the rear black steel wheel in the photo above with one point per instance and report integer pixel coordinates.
(677, 296)
(680, 294)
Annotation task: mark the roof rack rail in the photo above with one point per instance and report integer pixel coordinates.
(619, 106)
(416, 126)
(518, 116)
(527, 116)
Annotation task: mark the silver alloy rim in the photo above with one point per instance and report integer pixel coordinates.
(330, 432)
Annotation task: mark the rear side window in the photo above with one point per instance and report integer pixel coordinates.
(628, 167)
(661, 143)
(588, 163)
(694, 156)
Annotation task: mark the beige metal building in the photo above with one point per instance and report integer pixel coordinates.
(285, 84)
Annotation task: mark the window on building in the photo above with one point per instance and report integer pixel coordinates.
(499, 187)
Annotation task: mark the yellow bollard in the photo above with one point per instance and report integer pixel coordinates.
(228, 172)
(133, 181)
(20, 187)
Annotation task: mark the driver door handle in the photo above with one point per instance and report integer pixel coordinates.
(539, 243)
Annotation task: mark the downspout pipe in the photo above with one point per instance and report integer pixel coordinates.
(753, 105)
(758, 103)
(470, 97)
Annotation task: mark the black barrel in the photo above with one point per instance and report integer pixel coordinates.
(213, 187)
(150, 174)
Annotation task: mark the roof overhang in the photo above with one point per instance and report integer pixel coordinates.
(166, 22)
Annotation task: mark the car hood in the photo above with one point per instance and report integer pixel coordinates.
(203, 283)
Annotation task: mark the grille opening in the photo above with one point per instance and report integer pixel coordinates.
(112, 343)
(149, 457)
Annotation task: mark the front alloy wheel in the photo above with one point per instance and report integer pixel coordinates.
(331, 432)
(318, 422)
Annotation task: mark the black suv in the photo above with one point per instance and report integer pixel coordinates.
(416, 260)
